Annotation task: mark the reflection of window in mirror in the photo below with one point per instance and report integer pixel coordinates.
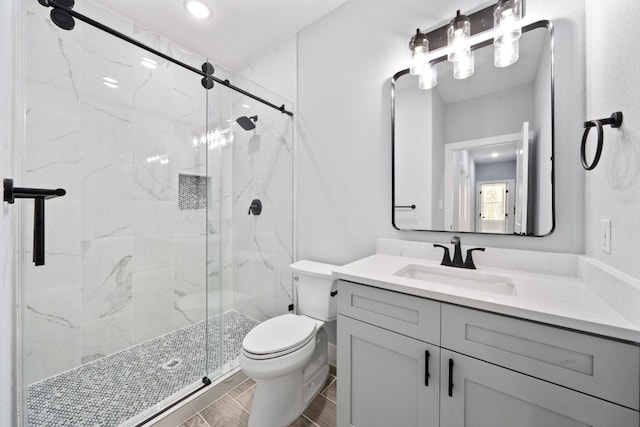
(493, 209)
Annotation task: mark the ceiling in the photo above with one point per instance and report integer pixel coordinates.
(237, 31)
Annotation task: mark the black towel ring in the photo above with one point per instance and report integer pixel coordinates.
(615, 121)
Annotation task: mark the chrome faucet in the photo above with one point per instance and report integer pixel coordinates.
(457, 255)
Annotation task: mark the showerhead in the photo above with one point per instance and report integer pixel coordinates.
(247, 123)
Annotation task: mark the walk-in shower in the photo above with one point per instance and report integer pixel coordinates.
(154, 271)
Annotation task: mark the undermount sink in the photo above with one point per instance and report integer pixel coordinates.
(461, 278)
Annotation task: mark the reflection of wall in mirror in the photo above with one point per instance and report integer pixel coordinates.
(463, 165)
(418, 179)
(489, 115)
(542, 201)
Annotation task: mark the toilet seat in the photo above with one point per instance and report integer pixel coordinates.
(279, 336)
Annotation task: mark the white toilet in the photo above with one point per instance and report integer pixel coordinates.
(287, 355)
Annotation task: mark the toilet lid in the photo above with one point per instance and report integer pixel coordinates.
(279, 334)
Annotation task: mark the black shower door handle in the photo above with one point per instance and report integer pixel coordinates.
(39, 195)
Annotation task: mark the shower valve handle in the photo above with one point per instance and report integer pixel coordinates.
(256, 207)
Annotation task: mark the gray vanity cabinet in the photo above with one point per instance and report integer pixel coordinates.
(486, 395)
(495, 371)
(387, 384)
(389, 358)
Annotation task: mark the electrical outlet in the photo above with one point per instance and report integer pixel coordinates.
(605, 236)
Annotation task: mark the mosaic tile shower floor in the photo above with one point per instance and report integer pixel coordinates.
(111, 390)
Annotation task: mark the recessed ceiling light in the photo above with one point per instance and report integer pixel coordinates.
(149, 63)
(494, 155)
(246, 106)
(197, 9)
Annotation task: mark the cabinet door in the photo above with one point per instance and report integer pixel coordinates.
(485, 395)
(382, 379)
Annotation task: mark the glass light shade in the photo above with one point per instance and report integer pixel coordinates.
(428, 78)
(463, 66)
(506, 20)
(418, 61)
(419, 47)
(458, 33)
(506, 54)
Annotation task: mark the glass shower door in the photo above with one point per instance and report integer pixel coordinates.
(260, 248)
(114, 325)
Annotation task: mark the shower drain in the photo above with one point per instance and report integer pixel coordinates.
(172, 364)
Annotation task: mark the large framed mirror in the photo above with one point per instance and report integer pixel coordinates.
(476, 155)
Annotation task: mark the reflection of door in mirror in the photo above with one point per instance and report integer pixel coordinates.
(464, 199)
(495, 205)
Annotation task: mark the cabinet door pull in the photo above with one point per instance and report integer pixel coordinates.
(426, 368)
(450, 377)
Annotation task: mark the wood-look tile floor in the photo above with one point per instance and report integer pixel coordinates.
(233, 408)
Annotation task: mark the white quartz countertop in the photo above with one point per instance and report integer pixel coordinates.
(563, 301)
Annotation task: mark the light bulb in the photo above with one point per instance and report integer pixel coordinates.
(506, 20)
(458, 33)
(419, 47)
(506, 54)
(428, 78)
(463, 66)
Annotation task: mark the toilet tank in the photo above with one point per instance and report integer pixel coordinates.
(314, 285)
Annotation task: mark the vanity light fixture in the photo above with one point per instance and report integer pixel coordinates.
(507, 15)
(501, 22)
(198, 9)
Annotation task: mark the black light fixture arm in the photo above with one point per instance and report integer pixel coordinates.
(65, 20)
(39, 195)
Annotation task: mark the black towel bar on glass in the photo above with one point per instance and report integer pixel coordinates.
(614, 121)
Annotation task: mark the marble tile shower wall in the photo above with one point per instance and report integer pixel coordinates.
(262, 169)
(123, 264)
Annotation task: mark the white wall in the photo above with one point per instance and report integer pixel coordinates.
(489, 115)
(613, 188)
(413, 148)
(437, 168)
(276, 69)
(496, 171)
(345, 64)
(10, 31)
(542, 169)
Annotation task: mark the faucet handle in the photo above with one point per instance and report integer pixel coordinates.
(446, 258)
(469, 262)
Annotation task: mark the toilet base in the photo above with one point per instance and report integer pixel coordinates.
(281, 400)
